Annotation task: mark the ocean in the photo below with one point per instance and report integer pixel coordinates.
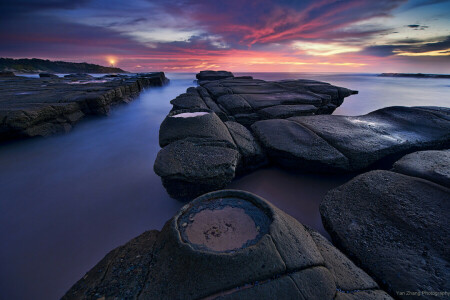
(66, 201)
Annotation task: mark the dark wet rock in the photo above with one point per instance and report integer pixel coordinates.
(227, 245)
(287, 111)
(244, 101)
(384, 133)
(193, 166)
(339, 143)
(32, 107)
(252, 155)
(7, 74)
(293, 146)
(181, 124)
(47, 75)
(395, 227)
(430, 165)
(79, 76)
(213, 75)
(122, 273)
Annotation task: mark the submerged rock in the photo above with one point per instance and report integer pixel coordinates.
(395, 226)
(227, 245)
(49, 105)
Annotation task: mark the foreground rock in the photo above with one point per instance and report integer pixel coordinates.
(218, 115)
(44, 106)
(396, 226)
(227, 245)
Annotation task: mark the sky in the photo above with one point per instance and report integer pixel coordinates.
(236, 35)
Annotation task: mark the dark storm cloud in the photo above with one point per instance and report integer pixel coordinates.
(417, 27)
(10, 8)
(415, 46)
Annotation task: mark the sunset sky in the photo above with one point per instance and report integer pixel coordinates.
(235, 35)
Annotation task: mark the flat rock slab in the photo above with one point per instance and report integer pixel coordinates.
(395, 227)
(49, 105)
(339, 143)
(222, 109)
(227, 245)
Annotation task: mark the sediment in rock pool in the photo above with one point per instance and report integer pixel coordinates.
(395, 226)
(233, 104)
(227, 245)
(49, 105)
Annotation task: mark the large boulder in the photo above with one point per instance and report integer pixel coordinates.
(192, 166)
(395, 227)
(227, 245)
(340, 143)
(181, 124)
(432, 165)
(213, 75)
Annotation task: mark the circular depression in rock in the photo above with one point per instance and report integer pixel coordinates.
(223, 225)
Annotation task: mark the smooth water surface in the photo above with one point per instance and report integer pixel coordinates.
(68, 200)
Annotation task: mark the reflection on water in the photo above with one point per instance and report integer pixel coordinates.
(66, 201)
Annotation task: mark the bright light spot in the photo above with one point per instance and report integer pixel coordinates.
(318, 49)
(445, 52)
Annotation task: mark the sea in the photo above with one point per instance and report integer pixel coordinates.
(67, 200)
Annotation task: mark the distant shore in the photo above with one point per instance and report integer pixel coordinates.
(414, 75)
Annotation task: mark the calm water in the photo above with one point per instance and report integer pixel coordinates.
(68, 200)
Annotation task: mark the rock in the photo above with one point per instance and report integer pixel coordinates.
(340, 143)
(395, 227)
(252, 156)
(47, 75)
(79, 76)
(32, 107)
(122, 272)
(244, 101)
(213, 75)
(227, 245)
(7, 74)
(287, 111)
(293, 146)
(181, 124)
(192, 166)
(383, 134)
(430, 165)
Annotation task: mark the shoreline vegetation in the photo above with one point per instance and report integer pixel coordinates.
(36, 66)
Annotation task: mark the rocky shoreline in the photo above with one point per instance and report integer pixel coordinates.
(31, 107)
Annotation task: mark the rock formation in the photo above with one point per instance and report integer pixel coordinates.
(44, 106)
(210, 126)
(394, 224)
(235, 125)
(227, 245)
